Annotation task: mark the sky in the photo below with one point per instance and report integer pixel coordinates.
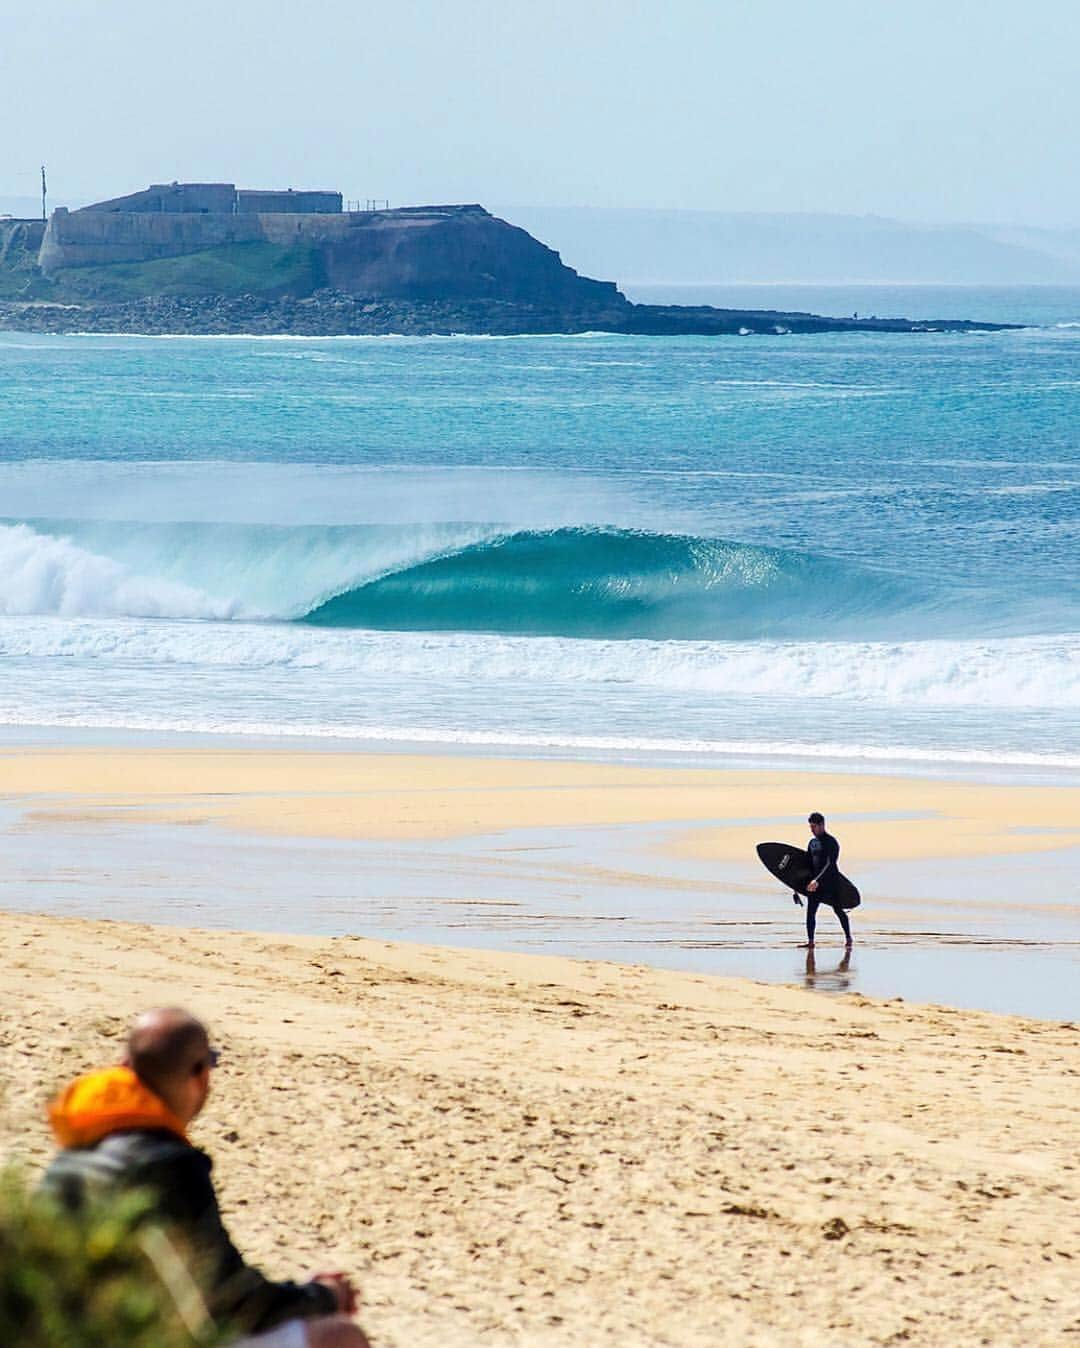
(950, 110)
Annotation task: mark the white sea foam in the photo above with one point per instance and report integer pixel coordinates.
(44, 574)
(1021, 672)
(419, 734)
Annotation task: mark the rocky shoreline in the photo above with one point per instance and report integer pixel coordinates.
(335, 313)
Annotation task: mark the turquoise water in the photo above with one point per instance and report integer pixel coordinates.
(858, 547)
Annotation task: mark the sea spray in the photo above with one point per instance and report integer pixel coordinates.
(53, 575)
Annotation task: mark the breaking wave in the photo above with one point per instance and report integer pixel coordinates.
(582, 581)
(606, 582)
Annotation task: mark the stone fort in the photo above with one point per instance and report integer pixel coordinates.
(459, 252)
(220, 199)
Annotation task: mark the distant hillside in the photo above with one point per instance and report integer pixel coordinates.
(654, 246)
(1062, 244)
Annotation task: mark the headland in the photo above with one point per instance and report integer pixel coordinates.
(206, 258)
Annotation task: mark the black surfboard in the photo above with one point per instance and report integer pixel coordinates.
(791, 866)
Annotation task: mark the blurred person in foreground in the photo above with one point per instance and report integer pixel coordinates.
(126, 1128)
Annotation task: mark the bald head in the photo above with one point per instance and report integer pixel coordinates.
(168, 1049)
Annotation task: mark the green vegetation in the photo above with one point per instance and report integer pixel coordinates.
(264, 269)
(95, 1280)
(256, 268)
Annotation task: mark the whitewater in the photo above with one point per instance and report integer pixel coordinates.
(845, 548)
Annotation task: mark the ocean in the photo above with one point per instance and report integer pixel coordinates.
(834, 549)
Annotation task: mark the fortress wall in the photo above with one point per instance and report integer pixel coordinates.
(285, 230)
(95, 238)
(98, 237)
(258, 202)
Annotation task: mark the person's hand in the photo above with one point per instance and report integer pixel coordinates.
(344, 1292)
(811, 888)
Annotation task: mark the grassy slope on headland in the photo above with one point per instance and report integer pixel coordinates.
(264, 269)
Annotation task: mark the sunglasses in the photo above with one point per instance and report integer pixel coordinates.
(213, 1057)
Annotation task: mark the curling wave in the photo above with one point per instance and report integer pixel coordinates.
(583, 582)
(617, 583)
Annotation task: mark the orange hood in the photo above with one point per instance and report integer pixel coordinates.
(109, 1101)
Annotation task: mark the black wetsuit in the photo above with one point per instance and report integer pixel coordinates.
(824, 853)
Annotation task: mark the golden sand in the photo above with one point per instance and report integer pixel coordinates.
(527, 1150)
(530, 1150)
(407, 796)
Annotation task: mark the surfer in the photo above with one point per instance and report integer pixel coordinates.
(824, 853)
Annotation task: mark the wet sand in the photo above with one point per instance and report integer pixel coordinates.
(970, 891)
(408, 796)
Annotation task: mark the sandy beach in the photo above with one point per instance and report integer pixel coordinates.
(969, 886)
(412, 796)
(512, 1149)
(517, 1150)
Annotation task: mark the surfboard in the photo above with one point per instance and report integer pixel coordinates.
(790, 863)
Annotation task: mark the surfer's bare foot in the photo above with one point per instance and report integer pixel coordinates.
(806, 945)
(849, 945)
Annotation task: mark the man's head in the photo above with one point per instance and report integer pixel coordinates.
(817, 824)
(169, 1050)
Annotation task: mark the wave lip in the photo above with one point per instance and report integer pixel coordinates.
(614, 583)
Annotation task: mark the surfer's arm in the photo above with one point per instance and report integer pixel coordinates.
(831, 854)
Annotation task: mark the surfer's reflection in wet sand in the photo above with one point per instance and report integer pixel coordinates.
(828, 980)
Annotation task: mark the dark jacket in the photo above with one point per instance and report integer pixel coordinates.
(153, 1155)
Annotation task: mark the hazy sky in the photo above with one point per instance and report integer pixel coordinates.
(920, 109)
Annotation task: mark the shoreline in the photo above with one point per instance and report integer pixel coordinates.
(979, 767)
(967, 885)
(528, 1149)
(993, 770)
